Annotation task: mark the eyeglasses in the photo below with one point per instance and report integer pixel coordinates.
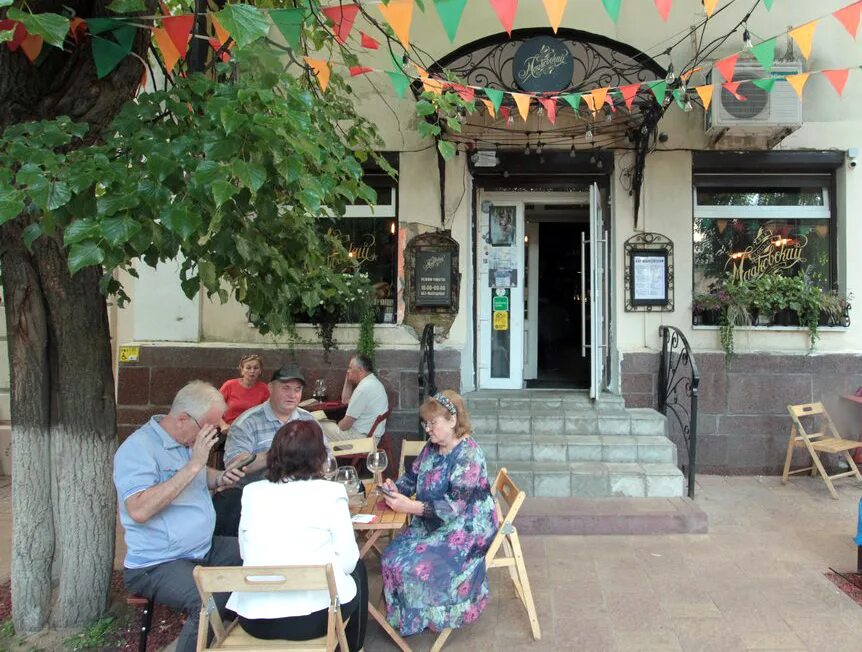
(198, 424)
(430, 424)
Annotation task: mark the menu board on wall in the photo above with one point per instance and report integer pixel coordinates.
(433, 276)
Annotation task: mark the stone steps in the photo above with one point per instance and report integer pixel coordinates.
(584, 421)
(578, 448)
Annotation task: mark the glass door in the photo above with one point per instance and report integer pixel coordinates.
(598, 294)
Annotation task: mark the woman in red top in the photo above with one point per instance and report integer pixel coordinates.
(244, 392)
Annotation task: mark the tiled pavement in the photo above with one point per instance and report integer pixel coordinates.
(755, 582)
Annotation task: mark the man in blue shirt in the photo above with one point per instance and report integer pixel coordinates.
(163, 488)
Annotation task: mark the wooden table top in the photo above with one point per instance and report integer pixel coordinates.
(386, 518)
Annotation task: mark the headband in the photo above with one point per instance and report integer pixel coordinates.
(445, 402)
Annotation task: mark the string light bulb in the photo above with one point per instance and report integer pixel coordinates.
(539, 147)
(510, 120)
(670, 78)
(588, 136)
(687, 105)
(746, 38)
(527, 149)
(572, 151)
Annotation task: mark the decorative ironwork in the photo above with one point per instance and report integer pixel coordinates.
(678, 383)
(648, 242)
(427, 384)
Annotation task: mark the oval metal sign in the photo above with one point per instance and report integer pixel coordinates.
(543, 64)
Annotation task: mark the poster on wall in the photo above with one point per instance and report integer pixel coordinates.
(502, 232)
(649, 285)
(433, 278)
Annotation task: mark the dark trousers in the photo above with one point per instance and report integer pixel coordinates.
(228, 509)
(313, 625)
(172, 584)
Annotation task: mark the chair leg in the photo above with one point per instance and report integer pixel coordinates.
(146, 622)
(819, 466)
(853, 465)
(525, 586)
(441, 639)
(787, 459)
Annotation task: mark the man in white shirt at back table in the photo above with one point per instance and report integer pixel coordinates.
(366, 400)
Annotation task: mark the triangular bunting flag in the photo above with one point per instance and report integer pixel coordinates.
(609, 100)
(166, 45)
(450, 12)
(321, 71)
(423, 74)
(613, 8)
(107, 54)
(179, 28)
(838, 79)
(599, 95)
(663, 7)
(496, 97)
(368, 42)
(550, 105)
(505, 113)
(341, 17)
(733, 89)
(765, 84)
(590, 101)
(400, 82)
(727, 66)
(659, 89)
(18, 36)
(705, 94)
(399, 15)
(768, 4)
(215, 45)
(849, 17)
(765, 53)
(432, 85)
(574, 100)
(221, 33)
(77, 29)
(490, 106)
(522, 100)
(555, 9)
(709, 7)
(289, 23)
(798, 82)
(629, 93)
(505, 10)
(467, 93)
(359, 70)
(31, 46)
(804, 36)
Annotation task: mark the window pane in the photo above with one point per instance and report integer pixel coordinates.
(747, 248)
(800, 196)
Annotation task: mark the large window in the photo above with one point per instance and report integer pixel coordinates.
(744, 228)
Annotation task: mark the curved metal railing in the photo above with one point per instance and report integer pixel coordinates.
(427, 384)
(678, 383)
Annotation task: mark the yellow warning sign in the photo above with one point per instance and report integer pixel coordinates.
(129, 353)
(501, 320)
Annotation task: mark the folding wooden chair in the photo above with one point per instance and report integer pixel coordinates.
(409, 448)
(505, 551)
(355, 459)
(227, 579)
(825, 440)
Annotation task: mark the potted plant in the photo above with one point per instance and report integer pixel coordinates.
(735, 299)
(706, 308)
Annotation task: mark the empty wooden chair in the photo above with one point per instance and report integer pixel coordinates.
(227, 579)
(505, 551)
(825, 440)
(352, 447)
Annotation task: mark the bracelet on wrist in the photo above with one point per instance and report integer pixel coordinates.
(427, 510)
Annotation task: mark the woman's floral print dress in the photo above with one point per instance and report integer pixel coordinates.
(434, 573)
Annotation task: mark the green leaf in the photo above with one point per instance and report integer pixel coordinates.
(244, 23)
(31, 233)
(119, 230)
(51, 27)
(179, 219)
(5, 3)
(250, 175)
(447, 149)
(222, 191)
(11, 204)
(127, 6)
(424, 107)
(80, 230)
(84, 254)
(207, 172)
(59, 194)
(6, 34)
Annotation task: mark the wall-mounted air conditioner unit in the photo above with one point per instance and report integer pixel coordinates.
(761, 112)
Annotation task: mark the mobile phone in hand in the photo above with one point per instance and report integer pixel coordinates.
(241, 462)
(385, 491)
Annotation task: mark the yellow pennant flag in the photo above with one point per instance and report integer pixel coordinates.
(399, 15)
(705, 95)
(798, 82)
(599, 96)
(709, 7)
(491, 109)
(555, 9)
(432, 85)
(590, 101)
(221, 33)
(169, 51)
(523, 102)
(321, 71)
(423, 74)
(803, 36)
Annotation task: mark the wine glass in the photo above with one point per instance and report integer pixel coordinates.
(377, 461)
(330, 467)
(347, 476)
(319, 390)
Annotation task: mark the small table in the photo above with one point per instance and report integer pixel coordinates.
(386, 521)
(334, 410)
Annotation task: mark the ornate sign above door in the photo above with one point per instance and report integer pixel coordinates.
(543, 64)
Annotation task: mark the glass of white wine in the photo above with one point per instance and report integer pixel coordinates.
(347, 476)
(330, 467)
(377, 461)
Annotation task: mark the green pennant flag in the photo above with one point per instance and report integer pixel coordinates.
(680, 95)
(574, 100)
(450, 12)
(659, 89)
(768, 4)
(400, 82)
(613, 8)
(496, 97)
(765, 84)
(289, 22)
(765, 53)
(102, 25)
(111, 43)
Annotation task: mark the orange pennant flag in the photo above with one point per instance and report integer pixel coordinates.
(838, 79)
(629, 93)
(523, 102)
(423, 74)
(550, 106)
(705, 95)
(709, 7)
(491, 109)
(321, 71)
(804, 35)
(433, 85)
(727, 66)
(733, 89)
(798, 82)
(169, 51)
(849, 17)
(221, 33)
(399, 15)
(599, 96)
(590, 101)
(32, 46)
(555, 9)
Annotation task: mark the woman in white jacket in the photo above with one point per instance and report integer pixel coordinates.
(295, 517)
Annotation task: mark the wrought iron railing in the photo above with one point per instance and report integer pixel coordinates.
(427, 384)
(678, 383)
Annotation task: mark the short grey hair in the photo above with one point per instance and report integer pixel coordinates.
(196, 398)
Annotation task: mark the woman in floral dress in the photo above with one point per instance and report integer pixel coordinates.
(434, 574)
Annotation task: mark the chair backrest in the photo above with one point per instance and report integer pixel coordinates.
(797, 412)
(357, 447)
(506, 495)
(380, 419)
(409, 448)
